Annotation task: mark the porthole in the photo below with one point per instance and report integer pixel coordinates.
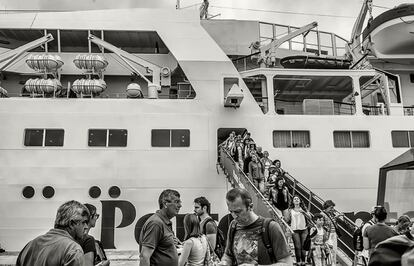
(94, 192)
(48, 192)
(114, 192)
(28, 192)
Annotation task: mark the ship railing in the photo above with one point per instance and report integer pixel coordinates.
(315, 205)
(294, 107)
(374, 110)
(409, 110)
(62, 94)
(238, 178)
(315, 41)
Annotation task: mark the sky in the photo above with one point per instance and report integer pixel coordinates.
(336, 16)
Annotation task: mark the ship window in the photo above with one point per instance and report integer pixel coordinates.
(170, 138)
(291, 139)
(180, 138)
(160, 138)
(108, 137)
(118, 138)
(43, 137)
(54, 137)
(412, 78)
(351, 139)
(33, 137)
(97, 137)
(402, 139)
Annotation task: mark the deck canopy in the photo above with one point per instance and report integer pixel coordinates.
(396, 186)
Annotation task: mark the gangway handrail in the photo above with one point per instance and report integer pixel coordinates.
(257, 191)
(312, 196)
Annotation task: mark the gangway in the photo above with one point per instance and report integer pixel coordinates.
(263, 207)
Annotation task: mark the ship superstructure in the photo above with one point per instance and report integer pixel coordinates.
(170, 94)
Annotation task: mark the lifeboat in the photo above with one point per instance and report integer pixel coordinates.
(314, 62)
(392, 33)
(89, 86)
(90, 62)
(42, 85)
(44, 62)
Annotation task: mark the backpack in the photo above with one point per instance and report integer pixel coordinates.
(220, 241)
(265, 237)
(358, 237)
(389, 252)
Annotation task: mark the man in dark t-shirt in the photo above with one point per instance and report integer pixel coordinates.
(207, 224)
(248, 247)
(157, 240)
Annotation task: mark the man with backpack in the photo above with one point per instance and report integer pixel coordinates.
(209, 226)
(251, 239)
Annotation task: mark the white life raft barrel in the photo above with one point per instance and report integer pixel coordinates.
(88, 86)
(134, 91)
(42, 85)
(43, 62)
(90, 61)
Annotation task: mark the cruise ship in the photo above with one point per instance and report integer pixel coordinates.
(110, 107)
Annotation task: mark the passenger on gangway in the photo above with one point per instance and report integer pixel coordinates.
(256, 173)
(279, 196)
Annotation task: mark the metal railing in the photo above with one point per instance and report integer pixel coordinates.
(264, 208)
(315, 205)
(238, 178)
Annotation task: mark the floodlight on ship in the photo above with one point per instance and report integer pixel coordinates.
(234, 97)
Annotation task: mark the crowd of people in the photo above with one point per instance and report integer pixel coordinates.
(69, 243)
(315, 237)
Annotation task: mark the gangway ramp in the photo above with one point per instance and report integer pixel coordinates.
(237, 178)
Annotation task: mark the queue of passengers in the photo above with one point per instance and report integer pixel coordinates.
(315, 239)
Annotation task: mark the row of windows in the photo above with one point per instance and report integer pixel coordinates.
(181, 138)
(342, 139)
(107, 137)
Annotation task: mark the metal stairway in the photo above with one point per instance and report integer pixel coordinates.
(236, 176)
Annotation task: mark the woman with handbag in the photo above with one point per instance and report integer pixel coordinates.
(195, 249)
(298, 219)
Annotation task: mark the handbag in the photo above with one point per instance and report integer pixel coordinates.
(211, 259)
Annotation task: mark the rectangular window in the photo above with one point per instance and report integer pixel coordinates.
(108, 137)
(33, 137)
(97, 137)
(54, 137)
(44, 137)
(118, 138)
(180, 138)
(351, 139)
(170, 138)
(402, 139)
(291, 139)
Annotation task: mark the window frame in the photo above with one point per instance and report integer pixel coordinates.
(291, 132)
(170, 139)
(44, 133)
(350, 132)
(107, 139)
(407, 134)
